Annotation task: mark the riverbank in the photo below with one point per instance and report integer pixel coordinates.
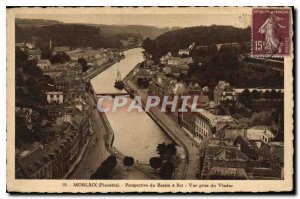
(91, 74)
(191, 161)
(99, 148)
(148, 132)
(101, 144)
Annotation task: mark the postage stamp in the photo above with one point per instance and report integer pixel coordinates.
(271, 32)
(150, 99)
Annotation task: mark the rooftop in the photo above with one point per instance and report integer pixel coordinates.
(61, 49)
(229, 172)
(256, 134)
(44, 61)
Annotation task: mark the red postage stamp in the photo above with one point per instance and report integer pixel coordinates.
(271, 32)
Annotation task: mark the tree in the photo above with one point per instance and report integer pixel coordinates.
(128, 161)
(167, 171)
(171, 150)
(166, 151)
(161, 149)
(245, 98)
(255, 94)
(155, 163)
(60, 58)
(83, 64)
(103, 172)
(112, 161)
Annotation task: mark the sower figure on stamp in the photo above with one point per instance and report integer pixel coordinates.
(269, 28)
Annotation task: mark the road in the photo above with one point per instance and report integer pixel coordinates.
(96, 151)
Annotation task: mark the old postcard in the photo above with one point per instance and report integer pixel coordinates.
(149, 99)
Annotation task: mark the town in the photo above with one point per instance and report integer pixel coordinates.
(237, 132)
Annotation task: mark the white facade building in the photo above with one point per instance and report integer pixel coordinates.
(55, 97)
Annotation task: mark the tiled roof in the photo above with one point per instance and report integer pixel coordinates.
(61, 49)
(256, 134)
(44, 61)
(224, 171)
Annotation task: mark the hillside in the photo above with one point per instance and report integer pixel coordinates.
(202, 35)
(73, 35)
(145, 31)
(35, 22)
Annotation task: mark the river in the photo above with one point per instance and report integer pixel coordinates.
(136, 134)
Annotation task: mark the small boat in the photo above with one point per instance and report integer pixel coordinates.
(119, 84)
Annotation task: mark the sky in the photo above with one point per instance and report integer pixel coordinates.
(158, 20)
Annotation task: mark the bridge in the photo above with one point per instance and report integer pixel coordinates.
(112, 94)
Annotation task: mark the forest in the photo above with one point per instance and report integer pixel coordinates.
(72, 35)
(201, 35)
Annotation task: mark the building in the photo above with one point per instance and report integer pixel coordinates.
(225, 173)
(35, 53)
(162, 86)
(222, 160)
(44, 64)
(182, 52)
(54, 159)
(186, 51)
(22, 46)
(30, 45)
(164, 59)
(179, 61)
(35, 164)
(188, 118)
(56, 70)
(223, 92)
(207, 124)
(60, 50)
(55, 97)
(259, 135)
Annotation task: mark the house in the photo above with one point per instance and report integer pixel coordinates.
(182, 52)
(44, 64)
(60, 50)
(259, 135)
(30, 45)
(179, 61)
(56, 70)
(173, 61)
(188, 118)
(36, 164)
(35, 53)
(208, 123)
(22, 46)
(220, 153)
(225, 173)
(164, 59)
(247, 148)
(54, 159)
(55, 97)
(224, 92)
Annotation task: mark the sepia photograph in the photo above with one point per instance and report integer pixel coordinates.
(131, 99)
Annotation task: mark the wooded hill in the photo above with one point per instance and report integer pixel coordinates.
(80, 35)
(201, 35)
